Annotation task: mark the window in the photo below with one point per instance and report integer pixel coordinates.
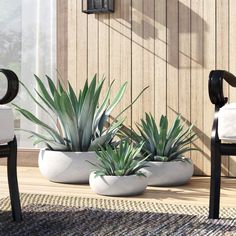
(28, 47)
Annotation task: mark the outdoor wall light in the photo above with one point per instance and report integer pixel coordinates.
(97, 6)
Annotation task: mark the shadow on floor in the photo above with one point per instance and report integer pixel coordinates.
(60, 220)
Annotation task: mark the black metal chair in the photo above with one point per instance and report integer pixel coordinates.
(218, 148)
(8, 143)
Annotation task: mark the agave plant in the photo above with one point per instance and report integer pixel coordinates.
(122, 161)
(160, 143)
(81, 123)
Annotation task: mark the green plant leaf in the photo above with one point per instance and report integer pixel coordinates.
(80, 124)
(121, 161)
(160, 143)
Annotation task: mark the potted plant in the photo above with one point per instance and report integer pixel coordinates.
(119, 171)
(79, 127)
(166, 148)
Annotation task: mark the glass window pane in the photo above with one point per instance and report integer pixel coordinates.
(28, 47)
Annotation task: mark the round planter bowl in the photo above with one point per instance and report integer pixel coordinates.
(172, 173)
(66, 167)
(118, 185)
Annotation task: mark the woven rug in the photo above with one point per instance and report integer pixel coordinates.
(58, 215)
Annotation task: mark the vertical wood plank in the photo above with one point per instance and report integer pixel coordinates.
(72, 43)
(209, 64)
(137, 58)
(125, 62)
(62, 36)
(104, 44)
(172, 60)
(232, 69)
(184, 58)
(82, 47)
(222, 54)
(148, 56)
(120, 53)
(184, 61)
(104, 51)
(93, 42)
(197, 81)
(115, 51)
(160, 58)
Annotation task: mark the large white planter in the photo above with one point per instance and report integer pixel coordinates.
(118, 185)
(66, 167)
(172, 173)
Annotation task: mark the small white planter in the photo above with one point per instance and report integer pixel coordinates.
(118, 185)
(172, 173)
(66, 167)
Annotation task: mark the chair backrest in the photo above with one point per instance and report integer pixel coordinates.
(215, 86)
(12, 86)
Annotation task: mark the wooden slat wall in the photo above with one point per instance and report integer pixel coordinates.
(197, 82)
(171, 46)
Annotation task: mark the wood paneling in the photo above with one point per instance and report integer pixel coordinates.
(222, 53)
(120, 53)
(209, 63)
(81, 48)
(72, 55)
(62, 38)
(184, 61)
(172, 76)
(137, 59)
(171, 46)
(93, 42)
(197, 81)
(160, 58)
(148, 56)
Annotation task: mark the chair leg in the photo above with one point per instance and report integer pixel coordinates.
(215, 181)
(12, 181)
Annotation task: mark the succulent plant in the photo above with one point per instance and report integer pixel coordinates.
(122, 161)
(161, 144)
(80, 123)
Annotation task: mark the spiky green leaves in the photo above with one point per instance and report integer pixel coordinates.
(78, 123)
(159, 142)
(120, 162)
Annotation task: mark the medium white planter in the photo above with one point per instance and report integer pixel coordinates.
(118, 185)
(66, 167)
(172, 173)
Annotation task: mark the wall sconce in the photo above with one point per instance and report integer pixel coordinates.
(97, 6)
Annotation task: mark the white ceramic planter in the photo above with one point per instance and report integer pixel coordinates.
(172, 173)
(66, 167)
(118, 185)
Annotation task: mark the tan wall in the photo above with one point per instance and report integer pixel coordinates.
(169, 45)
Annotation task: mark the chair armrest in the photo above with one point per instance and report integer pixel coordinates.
(215, 86)
(12, 87)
